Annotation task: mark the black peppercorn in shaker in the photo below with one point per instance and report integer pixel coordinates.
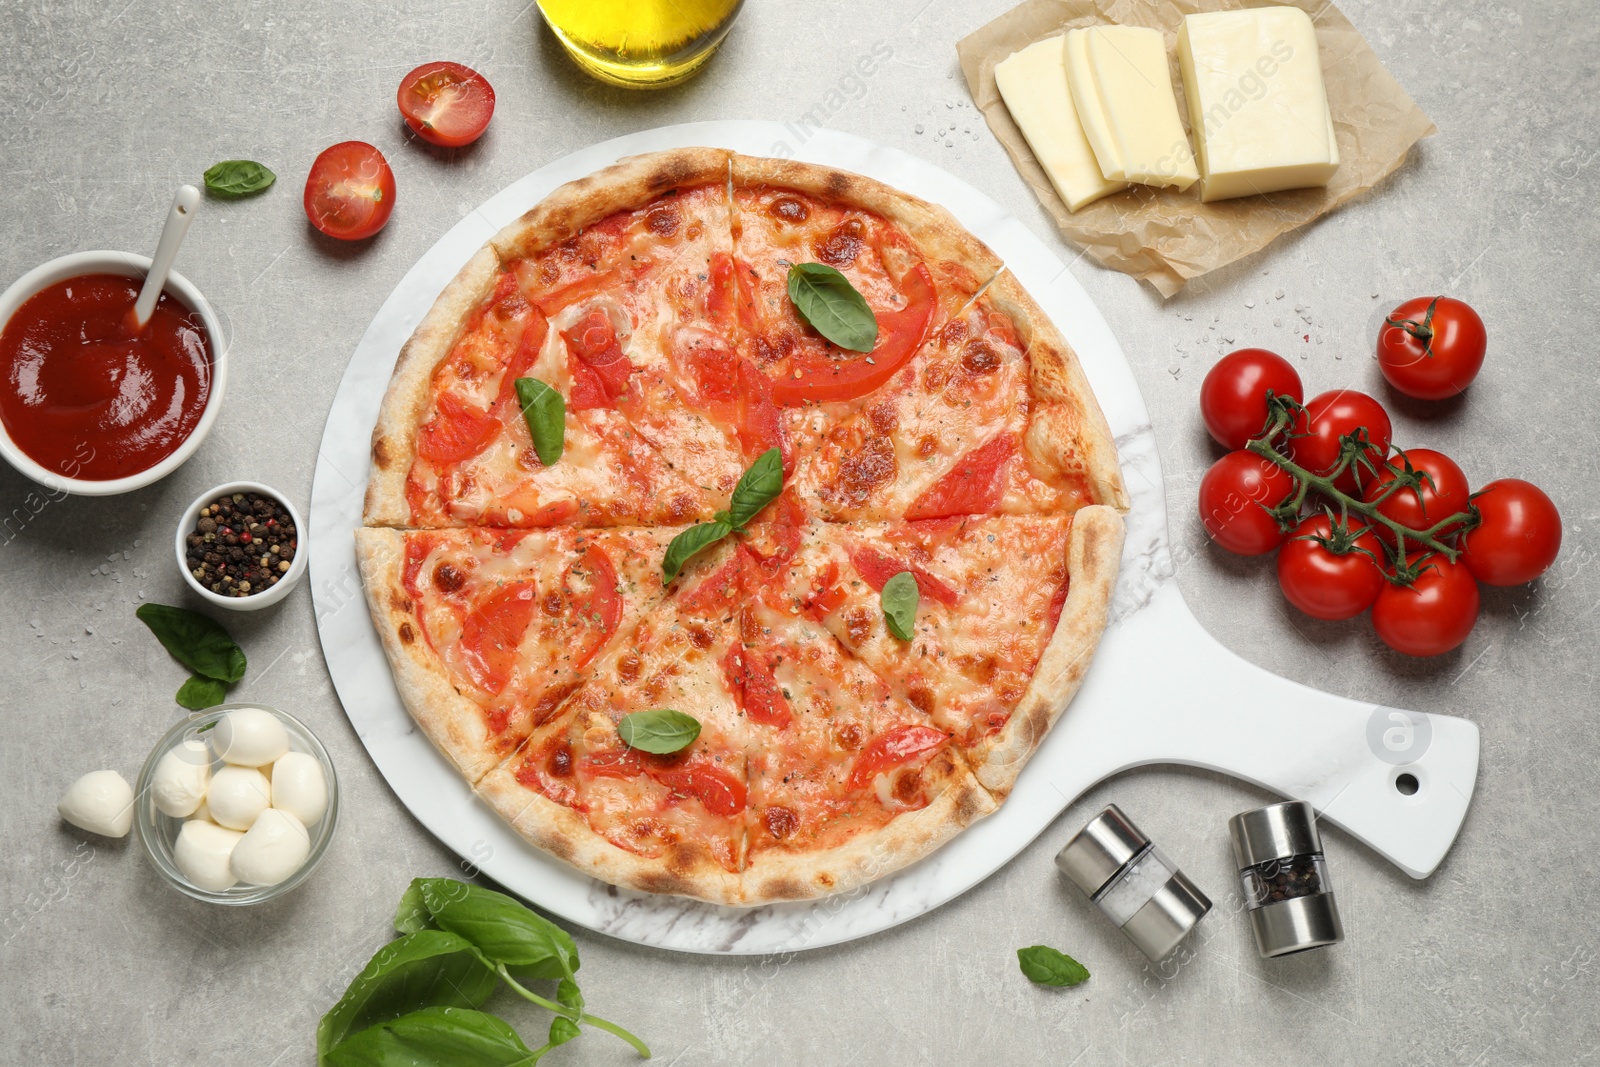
(1285, 878)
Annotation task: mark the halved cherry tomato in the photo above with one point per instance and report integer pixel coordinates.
(1444, 492)
(755, 689)
(1432, 348)
(593, 339)
(1520, 535)
(446, 104)
(1431, 616)
(350, 191)
(1234, 496)
(900, 334)
(1233, 397)
(900, 745)
(876, 569)
(598, 607)
(458, 431)
(973, 486)
(1331, 415)
(491, 633)
(1326, 585)
(720, 792)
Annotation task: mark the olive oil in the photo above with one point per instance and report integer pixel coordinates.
(641, 44)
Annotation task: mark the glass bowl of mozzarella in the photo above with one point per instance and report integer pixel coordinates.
(237, 804)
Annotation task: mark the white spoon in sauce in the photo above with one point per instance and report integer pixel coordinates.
(172, 234)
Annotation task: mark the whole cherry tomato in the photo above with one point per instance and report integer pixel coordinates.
(1519, 537)
(1330, 416)
(1432, 615)
(1326, 584)
(1444, 492)
(350, 191)
(1431, 348)
(1233, 397)
(1234, 496)
(446, 104)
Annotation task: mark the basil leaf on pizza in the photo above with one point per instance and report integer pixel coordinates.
(899, 599)
(826, 299)
(545, 412)
(758, 487)
(1047, 966)
(685, 545)
(660, 731)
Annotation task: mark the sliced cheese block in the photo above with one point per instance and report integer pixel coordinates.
(1139, 111)
(1086, 101)
(1033, 83)
(1257, 103)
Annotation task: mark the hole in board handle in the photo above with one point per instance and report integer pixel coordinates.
(1407, 785)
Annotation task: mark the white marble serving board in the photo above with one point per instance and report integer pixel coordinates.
(1161, 690)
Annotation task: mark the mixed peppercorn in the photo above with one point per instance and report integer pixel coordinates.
(1284, 879)
(241, 544)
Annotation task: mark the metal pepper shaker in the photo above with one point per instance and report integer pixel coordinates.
(1285, 878)
(1133, 883)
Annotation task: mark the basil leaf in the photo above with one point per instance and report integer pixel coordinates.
(435, 1037)
(826, 299)
(758, 487)
(691, 541)
(1046, 966)
(563, 1029)
(430, 968)
(502, 929)
(545, 412)
(195, 641)
(899, 599)
(198, 694)
(235, 178)
(413, 915)
(660, 731)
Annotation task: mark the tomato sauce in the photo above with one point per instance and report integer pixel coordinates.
(83, 396)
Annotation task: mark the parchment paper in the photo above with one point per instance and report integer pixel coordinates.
(1166, 237)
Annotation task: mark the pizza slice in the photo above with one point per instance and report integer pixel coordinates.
(489, 631)
(674, 823)
(847, 780)
(1009, 610)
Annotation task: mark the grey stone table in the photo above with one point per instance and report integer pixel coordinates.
(105, 108)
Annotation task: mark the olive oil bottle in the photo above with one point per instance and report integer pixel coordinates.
(641, 44)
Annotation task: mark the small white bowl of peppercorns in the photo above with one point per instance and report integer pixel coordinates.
(240, 547)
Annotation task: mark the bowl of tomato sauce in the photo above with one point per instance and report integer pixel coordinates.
(90, 406)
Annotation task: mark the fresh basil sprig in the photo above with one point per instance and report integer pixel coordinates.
(235, 178)
(661, 731)
(545, 412)
(414, 1003)
(900, 598)
(1047, 966)
(758, 487)
(201, 645)
(826, 299)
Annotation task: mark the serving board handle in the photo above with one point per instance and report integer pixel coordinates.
(1399, 781)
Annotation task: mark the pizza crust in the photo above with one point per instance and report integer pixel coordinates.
(563, 833)
(454, 723)
(1067, 431)
(1094, 553)
(394, 437)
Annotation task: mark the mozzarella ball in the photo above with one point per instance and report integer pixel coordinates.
(202, 852)
(237, 795)
(250, 737)
(100, 802)
(181, 777)
(299, 788)
(202, 812)
(272, 849)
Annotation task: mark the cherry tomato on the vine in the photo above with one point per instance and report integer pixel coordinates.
(1233, 397)
(1233, 497)
(1432, 615)
(446, 104)
(1431, 347)
(350, 191)
(1325, 584)
(1519, 537)
(1331, 415)
(1444, 492)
